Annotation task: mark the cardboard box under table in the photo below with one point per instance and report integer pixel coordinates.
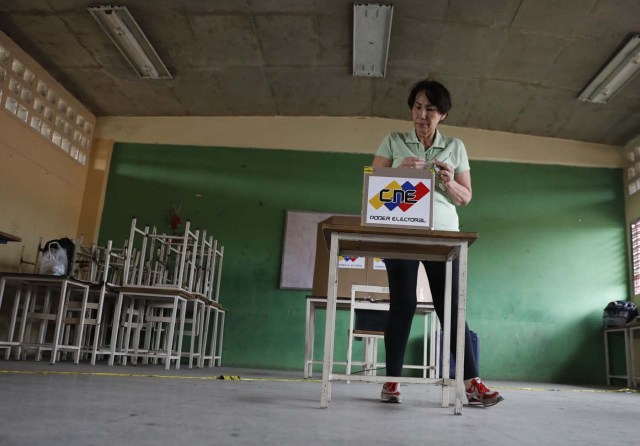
(346, 236)
(351, 270)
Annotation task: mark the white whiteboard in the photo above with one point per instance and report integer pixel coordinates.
(299, 248)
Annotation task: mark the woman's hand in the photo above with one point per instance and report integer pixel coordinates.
(411, 162)
(446, 173)
(457, 187)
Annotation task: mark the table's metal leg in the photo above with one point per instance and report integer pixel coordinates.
(80, 330)
(170, 333)
(12, 323)
(205, 336)
(606, 357)
(446, 336)
(23, 323)
(628, 356)
(632, 356)
(217, 319)
(127, 336)
(329, 332)
(424, 345)
(221, 339)
(308, 341)
(183, 315)
(115, 329)
(438, 347)
(98, 330)
(203, 310)
(192, 341)
(59, 321)
(366, 341)
(434, 359)
(201, 332)
(462, 317)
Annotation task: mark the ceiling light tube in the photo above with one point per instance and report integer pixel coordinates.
(124, 32)
(622, 68)
(371, 33)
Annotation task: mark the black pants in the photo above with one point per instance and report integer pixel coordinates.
(403, 280)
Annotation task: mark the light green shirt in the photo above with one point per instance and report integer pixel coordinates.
(396, 146)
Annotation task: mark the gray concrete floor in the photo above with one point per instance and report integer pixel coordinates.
(67, 404)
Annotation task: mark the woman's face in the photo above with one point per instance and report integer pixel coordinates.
(426, 117)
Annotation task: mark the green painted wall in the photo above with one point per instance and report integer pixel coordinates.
(551, 251)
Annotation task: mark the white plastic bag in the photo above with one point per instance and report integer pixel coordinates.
(53, 261)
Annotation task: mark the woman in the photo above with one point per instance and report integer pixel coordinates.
(429, 102)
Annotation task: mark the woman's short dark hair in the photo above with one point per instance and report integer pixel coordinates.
(437, 94)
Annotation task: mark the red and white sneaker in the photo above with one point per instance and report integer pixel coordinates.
(479, 394)
(390, 393)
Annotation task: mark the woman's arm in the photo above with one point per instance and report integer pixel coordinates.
(381, 161)
(459, 188)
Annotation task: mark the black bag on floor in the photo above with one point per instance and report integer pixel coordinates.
(619, 313)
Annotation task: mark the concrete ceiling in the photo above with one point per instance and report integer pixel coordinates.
(511, 65)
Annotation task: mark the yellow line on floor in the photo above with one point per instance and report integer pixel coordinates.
(141, 375)
(300, 380)
(623, 390)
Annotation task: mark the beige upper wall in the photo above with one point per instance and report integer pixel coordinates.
(41, 190)
(348, 134)
(41, 186)
(95, 190)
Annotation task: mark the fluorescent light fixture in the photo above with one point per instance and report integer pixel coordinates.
(124, 31)
(622, 68)
(371, 32)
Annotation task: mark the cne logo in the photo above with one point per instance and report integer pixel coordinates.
(396, 196)
(351, 262)
(348, 259)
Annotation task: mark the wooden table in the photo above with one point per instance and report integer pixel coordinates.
(628, 333)
(44, 288)
(5, 238)
(345, 236)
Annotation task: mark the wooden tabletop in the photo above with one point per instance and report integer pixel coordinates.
(353, 225)
(4, 238)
